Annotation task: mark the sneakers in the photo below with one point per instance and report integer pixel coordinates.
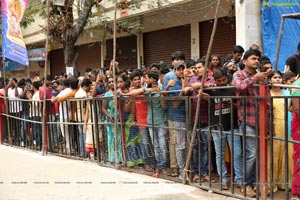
(249, 191)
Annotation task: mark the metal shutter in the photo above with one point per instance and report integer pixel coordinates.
(126, 53)
(224, 40)
(89, 55)
(159, 45)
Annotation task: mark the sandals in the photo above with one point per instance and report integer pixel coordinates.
(207, 179)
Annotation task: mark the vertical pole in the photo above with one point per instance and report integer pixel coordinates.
(115, 84)
(190, 152)
(44, 120)
(278, 43)
(263, 116)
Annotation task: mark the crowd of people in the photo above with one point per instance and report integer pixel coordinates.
(153, 112)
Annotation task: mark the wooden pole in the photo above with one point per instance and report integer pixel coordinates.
(189, 156)
(115, 86)
(44, 120)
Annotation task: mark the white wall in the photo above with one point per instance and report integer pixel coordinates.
(248, 23)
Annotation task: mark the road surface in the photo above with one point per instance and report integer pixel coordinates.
(29, 175)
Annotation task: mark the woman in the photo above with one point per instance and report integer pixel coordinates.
(133, 138)
(278, 156)
(108, 109)
(296, 136)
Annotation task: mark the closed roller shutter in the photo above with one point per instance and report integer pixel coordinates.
(126, 53)
(159, 45)
(57, 65)
(224, 40)
(89, 55)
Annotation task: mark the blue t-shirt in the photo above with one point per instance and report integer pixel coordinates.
(178, 114)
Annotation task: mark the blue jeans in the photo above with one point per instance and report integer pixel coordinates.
(202, 140)
(23, 126)
(250, 149)
(237, 154)
(148, 154)
(159, 138)
(81, 141)
(37, 131)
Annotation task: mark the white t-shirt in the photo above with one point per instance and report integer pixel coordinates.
(64, 107)
(15, 105)
(80, 105)
(35, 105)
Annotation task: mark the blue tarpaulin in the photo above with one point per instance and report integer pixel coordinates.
(271, 18)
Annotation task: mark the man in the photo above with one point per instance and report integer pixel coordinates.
(156, 119)
(169, 80)
(235, 57)
(195, 82)
(243, 80)
(178, 114)
(293, 62)
(13, 92)
(220, 120)
(80, 114)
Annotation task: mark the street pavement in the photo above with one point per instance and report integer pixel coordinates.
(26, 175)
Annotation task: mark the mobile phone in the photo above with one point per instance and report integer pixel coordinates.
(100, 71)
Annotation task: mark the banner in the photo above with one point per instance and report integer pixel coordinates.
(13, 46)
(36, 55)
(11, 65)
(271, 18)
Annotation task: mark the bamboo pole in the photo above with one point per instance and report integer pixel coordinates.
(44, 120)
(115, 85)
(189, 156)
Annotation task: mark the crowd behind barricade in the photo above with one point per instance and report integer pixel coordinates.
(155, 114)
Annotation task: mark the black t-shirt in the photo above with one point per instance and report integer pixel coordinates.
(225, 104)
(293, 62)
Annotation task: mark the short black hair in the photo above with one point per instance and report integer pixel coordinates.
(218, 73)
(152, 74)
(238, 49)
(86, 82)
(251, 52)
(190, 63)
(178, 54)
(36, 84)
(74, 83)
(135, 73)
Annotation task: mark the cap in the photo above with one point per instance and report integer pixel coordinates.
(178, 64)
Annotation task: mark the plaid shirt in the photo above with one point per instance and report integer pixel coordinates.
(203, 103)
(243, 81)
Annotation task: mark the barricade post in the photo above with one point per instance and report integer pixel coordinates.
(263, 176)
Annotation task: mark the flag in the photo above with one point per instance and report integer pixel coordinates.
(13, 45)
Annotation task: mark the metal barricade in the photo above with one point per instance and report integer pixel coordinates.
(79, 129)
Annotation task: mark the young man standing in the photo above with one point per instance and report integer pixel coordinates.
(178, 114)
(243, 80)
(169, 80)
